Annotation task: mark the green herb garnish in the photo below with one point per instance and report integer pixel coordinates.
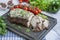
(28, 30)
(2, 26)
(19, 27)
(43, 16)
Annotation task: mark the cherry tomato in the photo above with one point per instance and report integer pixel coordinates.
(38, 10)
(16, 6)
(25, 8)
(20, 6)
(20, 1)
(13, 8)
(26, 1)
(35, 12)
(29, 9)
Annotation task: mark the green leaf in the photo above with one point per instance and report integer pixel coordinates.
(0, 29)
(2, 26)
(3, 32)
(46, 5)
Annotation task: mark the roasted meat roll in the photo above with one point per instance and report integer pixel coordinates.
(20, 16)
(28, 19)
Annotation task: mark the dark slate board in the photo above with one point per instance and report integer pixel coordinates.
(31, 35)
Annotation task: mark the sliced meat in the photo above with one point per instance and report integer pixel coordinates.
(46, 23)
(29, 20)
(40, 26)
(34, 21)
(40, 23)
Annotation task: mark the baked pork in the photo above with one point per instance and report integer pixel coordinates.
(28, 19)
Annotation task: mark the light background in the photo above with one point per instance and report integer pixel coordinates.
(54, 34)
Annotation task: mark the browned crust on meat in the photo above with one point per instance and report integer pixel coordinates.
(18, 20)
